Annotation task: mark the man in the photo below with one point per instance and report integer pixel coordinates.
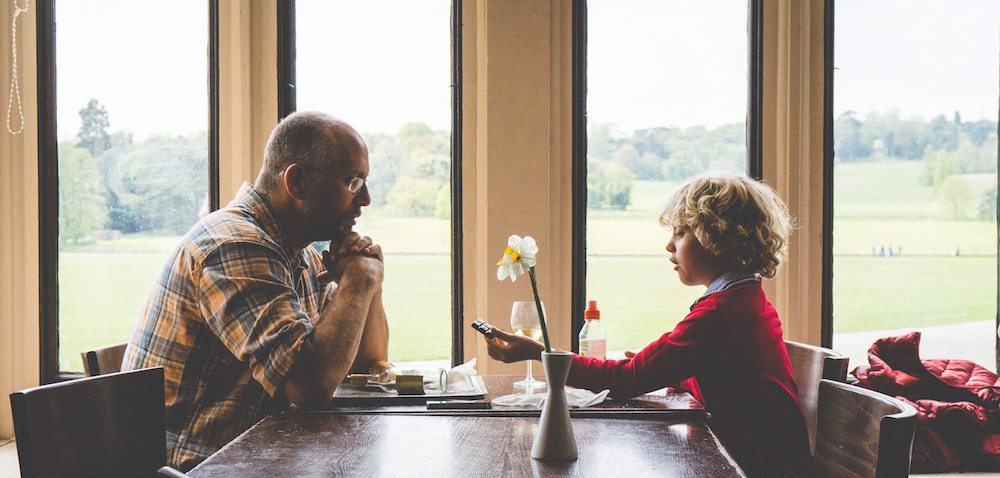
(246, 317)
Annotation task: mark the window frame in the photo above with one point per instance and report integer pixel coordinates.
(754, 121)
(48, 176)
(287, 105)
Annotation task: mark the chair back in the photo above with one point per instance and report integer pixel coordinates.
(109, 425)
(810, 364)
(862, 433)
(103, 360)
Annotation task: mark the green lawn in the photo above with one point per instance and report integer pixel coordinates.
(101, 296)
(874, 293)
(103, 284)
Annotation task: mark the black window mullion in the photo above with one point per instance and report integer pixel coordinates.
(755, 98)
(457, 291)
(48, 194)
(826, 304)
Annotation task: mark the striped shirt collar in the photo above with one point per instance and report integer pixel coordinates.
(726, 280)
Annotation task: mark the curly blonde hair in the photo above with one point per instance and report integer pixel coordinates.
(734, 217)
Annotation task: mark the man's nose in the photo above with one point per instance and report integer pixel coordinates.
(362, 197)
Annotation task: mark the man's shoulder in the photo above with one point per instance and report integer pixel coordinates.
(224, 227)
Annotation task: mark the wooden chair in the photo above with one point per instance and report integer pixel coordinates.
(810, 364)
(103, 360)
(109, 425)
(862, 433)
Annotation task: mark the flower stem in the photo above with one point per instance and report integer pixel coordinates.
(541, 313)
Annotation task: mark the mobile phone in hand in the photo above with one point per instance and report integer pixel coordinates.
(484, 328)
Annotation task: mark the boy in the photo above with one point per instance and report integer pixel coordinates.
(727, 232)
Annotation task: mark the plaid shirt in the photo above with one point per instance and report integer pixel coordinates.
(225, 319)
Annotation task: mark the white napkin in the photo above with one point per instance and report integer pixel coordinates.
(457, 380)
(577, 398)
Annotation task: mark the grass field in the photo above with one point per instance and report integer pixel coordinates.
(102, 285)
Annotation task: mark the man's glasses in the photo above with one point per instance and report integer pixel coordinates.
(354, 183)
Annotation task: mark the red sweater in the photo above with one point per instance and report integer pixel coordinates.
(730, 355)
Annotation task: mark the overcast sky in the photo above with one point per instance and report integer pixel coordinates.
(379, 64)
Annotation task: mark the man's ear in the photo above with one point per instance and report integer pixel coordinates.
(294, 180)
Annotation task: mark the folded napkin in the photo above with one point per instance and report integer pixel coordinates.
(577, 398)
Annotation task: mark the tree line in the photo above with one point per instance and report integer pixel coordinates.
(108, 181)
(948, 149)
(160, 185)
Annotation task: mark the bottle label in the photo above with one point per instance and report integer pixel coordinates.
(596, 348)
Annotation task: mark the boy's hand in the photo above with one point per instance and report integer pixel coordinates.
(509, 348)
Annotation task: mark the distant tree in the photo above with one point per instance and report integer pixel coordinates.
(848, 144)
(603, 139)
(909, 140)
(943, 134)
(387, 163)
(938, 165)
(442, 208)
(979, 131)
(959, 196)
(645, 166)
(681, 166)
(431, 166)
(413, 197)
(82, 207)
(970, 158)
(988, 205)
(93, 134)
(415, 136)
(654, 141)
(609, 185)
(160, 184)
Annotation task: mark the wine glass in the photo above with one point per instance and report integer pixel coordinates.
(524, 321)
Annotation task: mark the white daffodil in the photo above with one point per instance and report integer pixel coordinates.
(518, 257)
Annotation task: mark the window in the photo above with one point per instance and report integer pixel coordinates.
(128, 144)
(666, 99)
(385, 68)
(915, 176)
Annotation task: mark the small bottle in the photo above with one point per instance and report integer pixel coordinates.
(592, 340)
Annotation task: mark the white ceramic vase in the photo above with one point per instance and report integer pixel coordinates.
(554, 440)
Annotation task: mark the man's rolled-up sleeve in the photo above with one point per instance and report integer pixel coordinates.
(250, 303)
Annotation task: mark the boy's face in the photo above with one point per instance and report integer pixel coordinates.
(694, 264)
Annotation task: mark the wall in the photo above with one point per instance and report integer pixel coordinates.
(19, 362)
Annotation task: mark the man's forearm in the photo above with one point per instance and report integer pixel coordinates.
(326, 358)
(374, 344)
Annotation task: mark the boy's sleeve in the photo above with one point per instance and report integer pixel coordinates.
(694, 344)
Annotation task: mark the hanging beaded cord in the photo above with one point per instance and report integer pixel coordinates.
(15, 87)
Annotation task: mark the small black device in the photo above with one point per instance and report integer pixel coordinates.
(482, 404)
(483, 327)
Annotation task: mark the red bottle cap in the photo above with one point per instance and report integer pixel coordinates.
(592, 312)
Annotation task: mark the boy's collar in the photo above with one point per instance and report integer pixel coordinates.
(726, 280)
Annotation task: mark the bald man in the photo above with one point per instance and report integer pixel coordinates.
(246, 318)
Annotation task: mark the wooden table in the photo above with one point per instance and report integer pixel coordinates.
(335, 444)
(663, 434)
